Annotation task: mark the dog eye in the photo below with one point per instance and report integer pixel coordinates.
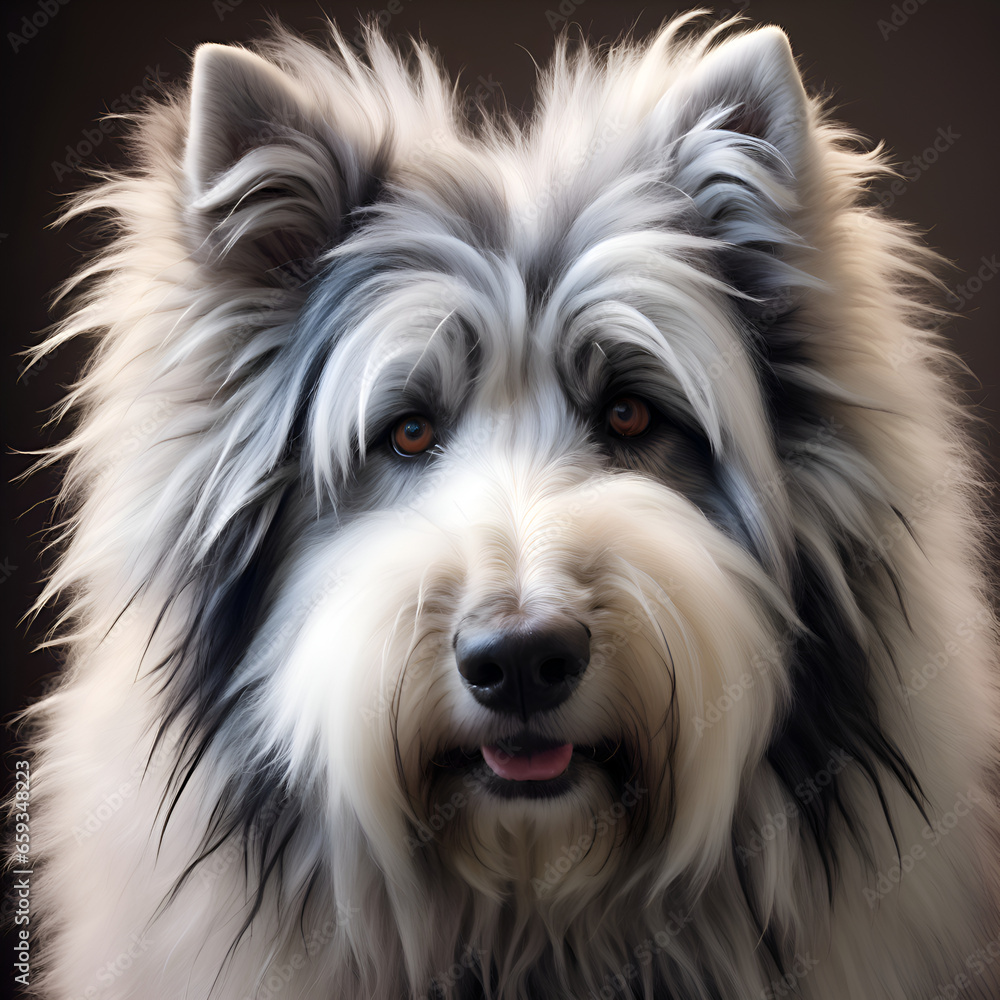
(412, 435)
(628, 417)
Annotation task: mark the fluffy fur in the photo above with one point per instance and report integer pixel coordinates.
(260, 774)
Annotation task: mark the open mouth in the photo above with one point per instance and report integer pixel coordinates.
(527, 766)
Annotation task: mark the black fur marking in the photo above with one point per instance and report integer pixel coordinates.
(233, 590)
(832, 716)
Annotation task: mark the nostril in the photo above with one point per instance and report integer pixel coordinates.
(555, 670)
(484, 674)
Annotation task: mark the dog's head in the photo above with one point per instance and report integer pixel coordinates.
(509, 502)
(527, 411)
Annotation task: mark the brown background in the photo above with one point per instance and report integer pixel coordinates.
(899, 72)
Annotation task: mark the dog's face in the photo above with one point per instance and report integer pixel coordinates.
(507, 474)
(520, 639)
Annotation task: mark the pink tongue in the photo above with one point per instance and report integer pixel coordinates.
(538, 766)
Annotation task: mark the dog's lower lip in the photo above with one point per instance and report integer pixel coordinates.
(535, 765)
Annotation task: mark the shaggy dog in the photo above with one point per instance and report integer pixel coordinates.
(513, 558)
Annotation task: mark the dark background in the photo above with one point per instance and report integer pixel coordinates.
(895, 71)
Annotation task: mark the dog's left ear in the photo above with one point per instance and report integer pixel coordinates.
(754, 86)
(269, 182)
(738, 131)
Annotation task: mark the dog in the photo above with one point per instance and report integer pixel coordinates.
(512, 558)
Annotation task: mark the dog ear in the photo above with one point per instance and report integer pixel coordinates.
(749, 86)
(268, 181)
(740, 137)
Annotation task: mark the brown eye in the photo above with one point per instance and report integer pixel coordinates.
(628, 416)
(412, 435)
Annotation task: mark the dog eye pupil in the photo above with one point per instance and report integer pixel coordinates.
(628, 416)
(412, 435)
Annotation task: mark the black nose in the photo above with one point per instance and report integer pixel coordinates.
(526, 669)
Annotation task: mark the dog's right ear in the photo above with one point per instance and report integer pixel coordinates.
(268, 181)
